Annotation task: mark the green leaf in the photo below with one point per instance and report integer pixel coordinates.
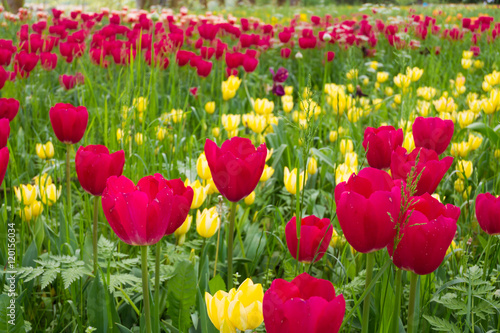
(30, 255)
(441, 325)
(10, 322)
(96, 305)
(74, 273)
(181, 295)
(216, 283)
(49, 276)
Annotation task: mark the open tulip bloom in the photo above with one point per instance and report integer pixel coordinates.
(236, 168)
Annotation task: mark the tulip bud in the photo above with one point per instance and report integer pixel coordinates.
(249, 199)
(464, 168)
(202, 167)
(199, 193)
(207, 222)
(139, 139)
(267, 173)
(290, 179)
(45, 150)
(210, 107)
(288, 90)
(180, 233)
(298, 55)
(216, 132)
(25, 194)
(327, 37)
(312, 166)
(50, 194)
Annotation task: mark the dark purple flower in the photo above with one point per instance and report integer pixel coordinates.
(281, 74)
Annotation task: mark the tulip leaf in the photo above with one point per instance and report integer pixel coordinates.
(216, 283)
(319, 154)
(100, 307)
(181, 295)
(486, 131)
(10, 322)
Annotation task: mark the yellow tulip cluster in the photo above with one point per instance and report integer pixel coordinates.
(231, 123)
(230, 87)
(44, 189)
(268, 170)
(426, 93)
(290, 180)
(238, 309)
(491, 80)
(45, 151)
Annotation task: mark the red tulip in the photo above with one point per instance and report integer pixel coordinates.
(4, 161)
(315, 236)
(4, 76)
(4, 131)
(48, 60)
(488, 213)
(203, 68)
(250, 64)
(139, 215)
(379, 143)
(8, 108)
(306, 304)
(236, 166)
(183, 197)
(68, 122)
(94, 165)
(433, 133)
(68, 82)
(429, 166)
(330, 55)
(428, 232)
(26, 62)
(368, 207)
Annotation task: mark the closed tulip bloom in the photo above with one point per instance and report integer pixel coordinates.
(180, 233)
(202, 167)
(9, 108)
(26, 194)
(139, 215)
(68, 122)
(290, 179)
(94, 165)
(199, 193)
(433, 133)
(368, 207)
(4, 132)
(32, 211)
(306, 304)
(426, 235)
(315, 235)
(465, 169)
(379, 143)
(488, 213)
(50, 194)
(236, 166)
(45, 151)
(312, 166)
(207, 222)
(267, 173)
(429, 166)
(249, 199)
(4, 161)
(210, 107)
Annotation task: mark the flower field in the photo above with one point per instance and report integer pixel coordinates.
(333, 169)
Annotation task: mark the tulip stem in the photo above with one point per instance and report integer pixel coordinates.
(145, 287)
(230, 236)
(397, 300)
(157, 287)
(68, 182)
(370, 261)
(411, 305)
(485, 267)
(94, 233)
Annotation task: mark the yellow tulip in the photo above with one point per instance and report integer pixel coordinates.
(465, 118)
(139, 139)
(216, 132)
(288, 90)
(312, 166)
(199, 193)
(211, 187)
(351, 160)
(50, 194)
(389, 91)
(217, 306)
(207, 222)
(290, 180)
(402, 81)
(140, 103)
(180, 233)
(269, 153)
(263, 106)
(426, 93)
(408, 142)
(32, 211)
(414, 74)
(333, 136)
(249, 199)
(464, 168)
(382, 77)
(42, 180)
(210, 107)
(343, 172)
(230, 86)
(497, 153)
(460, 149)
(161, 132)
(25, 194)
(466, 63)
(45, 150)
(232, 134)
(202, 167)
(176, 115)
(267, 173)
(257, 123)
(467, 54)
(352, 74)
(119, 135)
(474, 141)
(459, 185)
(337, 242)
(231, 121)
(346, 146)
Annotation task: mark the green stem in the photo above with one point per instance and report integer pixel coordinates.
(94, 233)
(230, 236)
(411, 305)
(370, 261)
(68, 181)
(485, 267)
(157, 287)
(145, 287)
(397, 300)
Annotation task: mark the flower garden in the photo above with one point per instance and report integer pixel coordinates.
(330, 169)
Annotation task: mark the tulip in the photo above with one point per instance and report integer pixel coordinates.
(94, 165)
(263, 106)
(465, 118)
(306, 304)
(315, 235)
(26, 194)
(230, 86)
(207, 222)
(230, 121)
(31, 211)
(9, 107)
(68, 122)
(346, 146)
(4, 132)
(464, 169)
(312, 166)
(267, 173)
(45, 151)
(210, 107)
(180, 233)
(432, 133)
(239, 309)
(430, 168)
(290, 179)
(427, 232)
(379, 143)
(49, 194)
(249, 199)
(4, 161)
(202, 167)
(199, 193)
(488, 213)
